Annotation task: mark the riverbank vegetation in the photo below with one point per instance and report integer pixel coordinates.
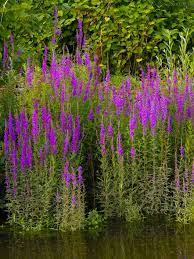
(78, 141)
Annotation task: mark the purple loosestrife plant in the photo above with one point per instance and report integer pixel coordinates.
(35, 126)
(103, 138)
(119, 145)
(53, 141)
(132, 126)
(133, 152)
(76, 135)
(67, 175)
(80, 175)
(91, 115)
(182, 151)
(29, 72)
(5, 54)
(110, 130)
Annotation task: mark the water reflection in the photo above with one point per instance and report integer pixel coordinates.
(118, 241)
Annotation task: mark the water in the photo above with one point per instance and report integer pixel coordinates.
(143, 241)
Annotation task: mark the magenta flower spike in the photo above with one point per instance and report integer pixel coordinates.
(5, 54)
(110, 130)
(80, 175)
(29, 72)
(53, 141)
(35, 127)
(182, 151)
(119, 145)
(66, 145)
(67, 175)
(91, 115)
(133, 152)
(132, 126)
(73, 200)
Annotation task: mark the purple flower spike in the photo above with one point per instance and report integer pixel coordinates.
(73, 200)
(132, 127)
(169, 127)
(76, 135)
(66, 145)
(110, 130)
(80, 175)
(133, 152)
(103, 138)
(73, 179)
(182, 151)
(66, 174)
(35, 128)
(119, 145)
(91, 115)
(53, 141)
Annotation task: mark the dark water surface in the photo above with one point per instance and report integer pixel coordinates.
(156, 240)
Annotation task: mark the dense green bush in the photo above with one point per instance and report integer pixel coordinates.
(125, 34)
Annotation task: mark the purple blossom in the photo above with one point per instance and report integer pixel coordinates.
(110, 130)
(74, 84)
(169, 127)
(66, 145)
(73, 179)
(164, 108)
(67, 175)
(73, 200)
(78, 57)
(62, 95)
(80, 33)
(153, 117)
(29, 72)
(91, 115)
(132, 126)
(87, 61)
(119, 145)
(102, 138)
(69, 122)
(62, 121)
(182, 151)
(98, 109)
(35, 127)
(53, 141)
(80, 175)
(76, 135)
(133, 152)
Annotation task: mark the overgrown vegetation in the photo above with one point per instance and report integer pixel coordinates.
(78, 141)
(126, 35)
